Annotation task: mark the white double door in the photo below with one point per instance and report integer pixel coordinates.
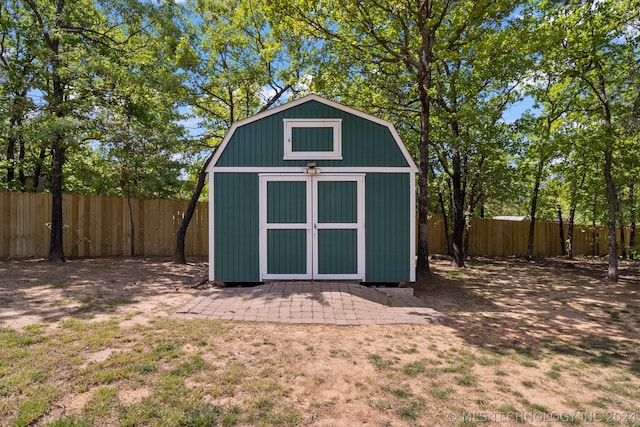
(312, 227)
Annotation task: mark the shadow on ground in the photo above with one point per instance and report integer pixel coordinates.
(552, 305)
(36, 291)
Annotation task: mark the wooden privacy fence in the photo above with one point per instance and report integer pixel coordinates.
(102, 226)
(99, 226)
(490, 237)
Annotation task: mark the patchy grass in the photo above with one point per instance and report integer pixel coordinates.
(521, 338)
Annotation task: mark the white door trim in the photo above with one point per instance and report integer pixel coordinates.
(311, 225)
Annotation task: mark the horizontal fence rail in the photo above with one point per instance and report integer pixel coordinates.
(112, 226)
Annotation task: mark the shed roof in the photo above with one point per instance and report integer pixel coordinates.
(396, 137)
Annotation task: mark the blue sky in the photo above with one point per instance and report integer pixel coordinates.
(516, 110)
(513, 113)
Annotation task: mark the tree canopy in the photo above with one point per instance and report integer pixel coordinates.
(102, 97)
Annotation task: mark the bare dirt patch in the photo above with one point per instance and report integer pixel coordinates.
(545, 343)
(35, 291)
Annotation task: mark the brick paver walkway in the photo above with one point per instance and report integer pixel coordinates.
(325, 303)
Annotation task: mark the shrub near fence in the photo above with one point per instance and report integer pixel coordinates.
(102, 226)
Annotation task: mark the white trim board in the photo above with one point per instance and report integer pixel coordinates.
(323, 170)
(412, 228)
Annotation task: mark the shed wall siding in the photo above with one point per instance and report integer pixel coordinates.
(387, 227)
(236, 227)
(261, 143)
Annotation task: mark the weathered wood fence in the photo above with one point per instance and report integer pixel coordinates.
(490, 237)
(98, 226)
(103, 226)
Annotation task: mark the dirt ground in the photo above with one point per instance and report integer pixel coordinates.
(535, 317)
(35, 291)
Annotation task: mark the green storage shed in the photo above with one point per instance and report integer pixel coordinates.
(312, 190)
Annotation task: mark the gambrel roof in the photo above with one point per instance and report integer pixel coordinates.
(257, 141)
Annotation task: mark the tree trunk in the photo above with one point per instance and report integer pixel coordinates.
(21, 176)
(179, 255)
(132, 225)
(423, 207)
(632, 240)
(11, 143)
(423, 187)
(561, 225)
(632, 234)
(620, 217)
(612, 273)
(572, 216)
(594, 235)
(534, 206)
(458, 210)
(467, 232)
(37, 172)
(445, 220)
(56, 251)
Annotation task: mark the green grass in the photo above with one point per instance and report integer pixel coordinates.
(380, 363)
(412, 409)
(201, 416)
(408, 350)
(193, 365)
(510, 414)
(201, 372)
(33, 360)
(466, 380)
(70, 422)
(35, 405)
(442, 393)
(553, 374)
(414, 368)
(488, 360)
(456, 274)
(604, 402)
(100, 403)
(528, 363)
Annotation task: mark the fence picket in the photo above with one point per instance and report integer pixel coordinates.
(101, 226)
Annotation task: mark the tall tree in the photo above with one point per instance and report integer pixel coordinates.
(17, 72)
(80, 44)
(233, 78)
(545, 135)
(474, 86)
(52, 20)
(594, 45)
(427, 45)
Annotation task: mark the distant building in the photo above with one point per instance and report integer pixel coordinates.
(511, 218)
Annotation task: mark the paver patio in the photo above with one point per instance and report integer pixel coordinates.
(323, 303)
